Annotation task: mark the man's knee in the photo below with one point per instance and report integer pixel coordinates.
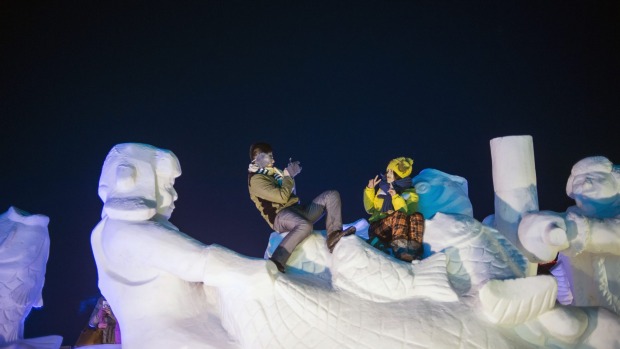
(332, 195)
(332, 192)
(303, 227)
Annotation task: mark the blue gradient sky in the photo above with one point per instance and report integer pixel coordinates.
(341, 86)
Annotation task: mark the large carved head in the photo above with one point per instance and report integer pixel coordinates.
(137, 182)
(594, 184)
(442, 192)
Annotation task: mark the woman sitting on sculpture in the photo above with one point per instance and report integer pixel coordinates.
(396, 227)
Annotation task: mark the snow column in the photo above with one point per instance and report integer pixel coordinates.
(514, 182)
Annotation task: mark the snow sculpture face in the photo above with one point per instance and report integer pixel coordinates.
(594, 182)
(137, 182)
(166, 171)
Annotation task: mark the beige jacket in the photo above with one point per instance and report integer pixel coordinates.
(270, 197)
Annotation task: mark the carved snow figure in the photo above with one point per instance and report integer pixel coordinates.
(587, 235)
(514, 184)
(476, 253)
(442, 192)
(149, 271)
(361, 297)
(170, 291)
(24, 250)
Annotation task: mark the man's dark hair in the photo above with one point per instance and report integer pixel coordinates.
(259, 147)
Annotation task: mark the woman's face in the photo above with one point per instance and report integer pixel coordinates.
(390, 175)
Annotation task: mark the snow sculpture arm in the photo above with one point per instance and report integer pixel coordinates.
(506, 302)
(592, 234)
(544, 234)
(156, 246)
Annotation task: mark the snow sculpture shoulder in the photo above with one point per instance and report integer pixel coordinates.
(587, 235)
(24, 250)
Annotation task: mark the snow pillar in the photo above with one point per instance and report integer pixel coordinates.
(514, 183)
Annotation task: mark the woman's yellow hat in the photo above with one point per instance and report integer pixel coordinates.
(401, 166)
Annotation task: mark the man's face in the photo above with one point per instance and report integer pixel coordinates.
(596, 187)
(264, 160)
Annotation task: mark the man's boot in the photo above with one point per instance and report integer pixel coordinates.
(281, 267)
(335, 236)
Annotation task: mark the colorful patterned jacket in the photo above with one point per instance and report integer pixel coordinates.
(406, 202)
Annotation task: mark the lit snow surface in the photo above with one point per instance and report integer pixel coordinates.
(474, 288)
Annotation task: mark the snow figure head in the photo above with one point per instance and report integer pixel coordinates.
(442, 192)
(137, 182)
(594, 184)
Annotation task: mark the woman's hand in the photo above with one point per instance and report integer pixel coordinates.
(391, 191)
(373, 182)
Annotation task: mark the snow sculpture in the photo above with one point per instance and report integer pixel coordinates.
(441, 192)
(171, 291)
(587, 235)
(528, 306)
(149, 271)
(362, 298)
(514, 183)
(476, 253)
(24, 249)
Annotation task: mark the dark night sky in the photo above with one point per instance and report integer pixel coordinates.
(341, 86)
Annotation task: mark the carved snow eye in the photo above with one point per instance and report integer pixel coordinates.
(422, 187)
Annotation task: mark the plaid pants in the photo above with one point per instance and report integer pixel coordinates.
(399, 234)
